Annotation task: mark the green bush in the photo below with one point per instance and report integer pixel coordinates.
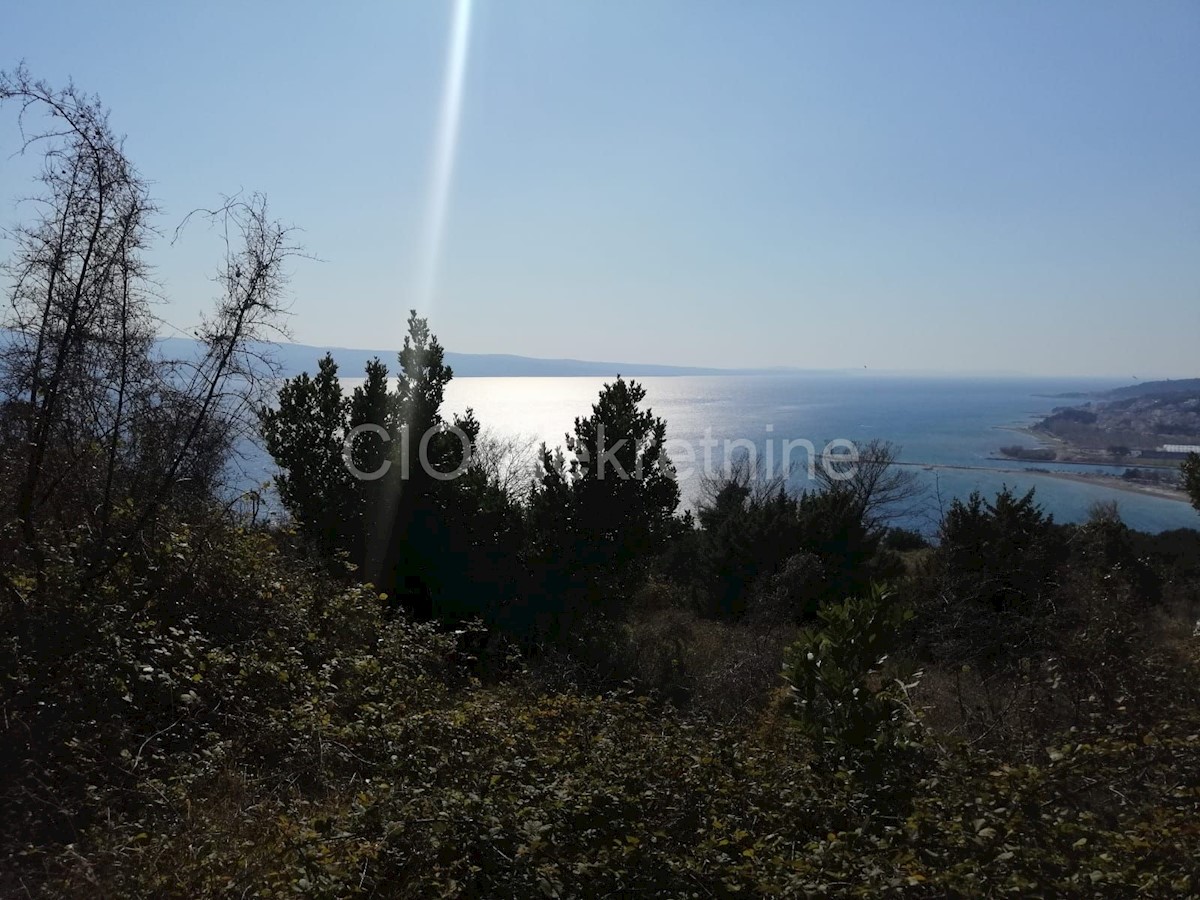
(215, 641)
(843, 697)
(290, 740)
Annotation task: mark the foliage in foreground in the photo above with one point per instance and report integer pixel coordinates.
(306, 744)
(500, 794)
(193, 707)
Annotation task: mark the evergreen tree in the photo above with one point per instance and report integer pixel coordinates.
(624, 488)
(1191, 478)
(304, 433)
(752, 531)
(382, 477)
(407, 528)
(1002, 552)
(595, 521)
(992, 584)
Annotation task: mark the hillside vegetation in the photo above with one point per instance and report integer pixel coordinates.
(1188, 386)
(529, 679)
(1141, 422)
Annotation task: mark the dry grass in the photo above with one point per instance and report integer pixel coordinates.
(724, 671)
(1082, 682)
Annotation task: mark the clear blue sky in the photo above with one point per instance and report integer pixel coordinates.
(914, 185)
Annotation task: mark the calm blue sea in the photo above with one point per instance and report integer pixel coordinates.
(935, 420)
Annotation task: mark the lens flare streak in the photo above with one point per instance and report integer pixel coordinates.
(444, 153)
(432, 238)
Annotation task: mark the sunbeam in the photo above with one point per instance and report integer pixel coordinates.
(433, 232)
(445, 149)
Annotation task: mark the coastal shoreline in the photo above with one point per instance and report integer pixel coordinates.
(1068, 454)
(1116, 483)
(1110, 481)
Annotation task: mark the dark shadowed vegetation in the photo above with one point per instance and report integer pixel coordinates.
(540, 677)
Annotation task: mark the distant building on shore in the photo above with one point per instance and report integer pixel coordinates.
(1182, 449)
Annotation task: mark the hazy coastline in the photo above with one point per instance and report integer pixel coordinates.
(1096, 478)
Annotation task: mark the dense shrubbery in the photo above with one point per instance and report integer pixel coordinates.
(426, 688)
(215, 642)
(504, 793)
(228, 713)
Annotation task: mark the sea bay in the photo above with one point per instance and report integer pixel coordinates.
(936, 421)
(946, 429)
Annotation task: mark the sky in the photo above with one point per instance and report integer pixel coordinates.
(917, 186)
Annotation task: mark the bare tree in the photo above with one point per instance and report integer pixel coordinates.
(882, 490)
(93, 415)
(511, 462)
(78, 328)
(214, 398)
(741, 480)
(226, 385)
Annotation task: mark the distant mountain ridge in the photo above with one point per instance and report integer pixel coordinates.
(1165, 388)
(296, 358)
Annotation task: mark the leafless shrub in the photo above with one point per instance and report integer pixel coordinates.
(101, 430)
(509, 461)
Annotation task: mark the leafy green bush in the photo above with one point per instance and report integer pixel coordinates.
(842, 697)
(213, 639)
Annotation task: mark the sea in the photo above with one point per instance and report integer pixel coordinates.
(945, 427)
